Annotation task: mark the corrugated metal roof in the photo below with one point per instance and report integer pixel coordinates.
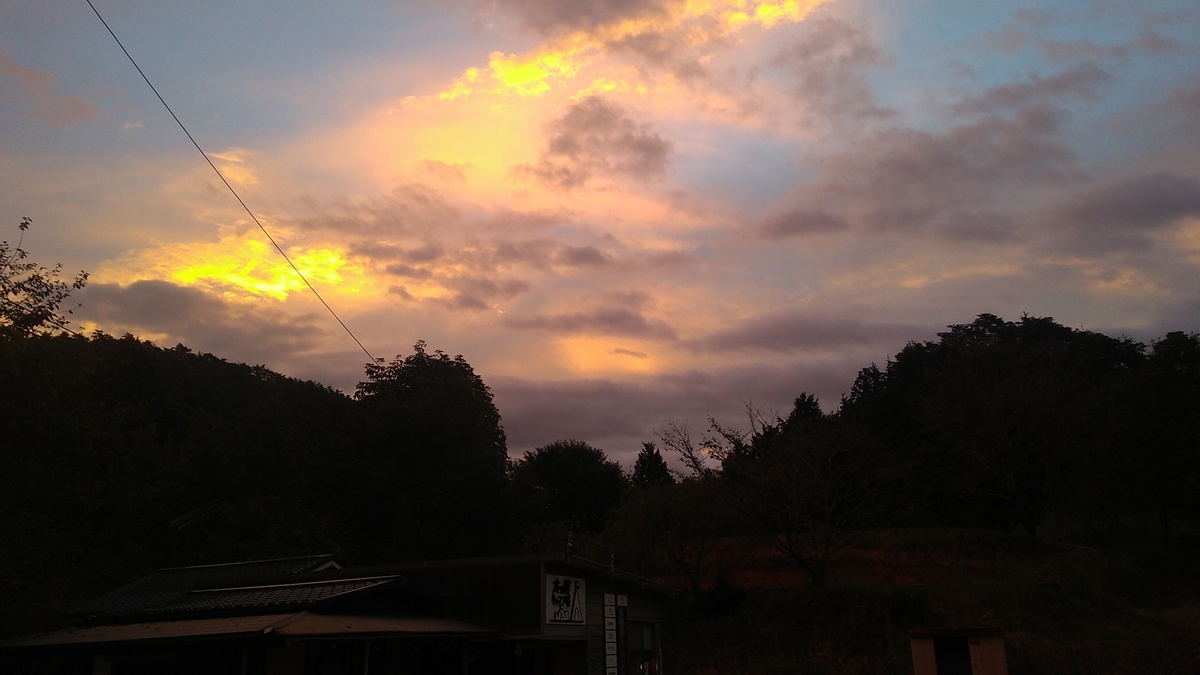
(233, 626)
(296, 626)
(168, 588)
(304, 594)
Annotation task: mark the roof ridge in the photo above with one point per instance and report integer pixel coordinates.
(291, 584)
(314, 557)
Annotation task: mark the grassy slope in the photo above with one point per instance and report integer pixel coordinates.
(1126, 609)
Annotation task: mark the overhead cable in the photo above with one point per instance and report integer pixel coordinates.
(230, 187)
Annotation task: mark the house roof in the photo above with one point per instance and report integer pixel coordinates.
(295, 583)
(584, 565)
(289, 625)
(237, 588)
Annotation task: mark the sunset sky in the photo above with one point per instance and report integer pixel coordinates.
(622, 213)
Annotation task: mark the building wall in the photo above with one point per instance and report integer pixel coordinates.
(988, 657)
(986, 653)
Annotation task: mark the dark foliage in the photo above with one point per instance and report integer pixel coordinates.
(570, 482)
(31, 295)
(650, 468)
(431, 478)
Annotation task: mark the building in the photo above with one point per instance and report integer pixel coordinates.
(525, 615)
(959, 651)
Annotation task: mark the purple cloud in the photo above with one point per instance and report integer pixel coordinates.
(595, 138)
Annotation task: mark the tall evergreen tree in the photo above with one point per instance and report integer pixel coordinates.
(650, 468)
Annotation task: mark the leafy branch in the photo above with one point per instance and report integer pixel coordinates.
(31, 295)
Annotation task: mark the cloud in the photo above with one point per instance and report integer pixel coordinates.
(1079, 81)
(957, 183)
(410, 209)
(557, 16)
(619, 415)
(829, 61)
(238, 165)
(669, 37)
(1122, 213)
(793, 332)
(1030, 24)
(255, 333)
(36, 90)
(799, 223)
(452, 173)
(595, 138)
(608, 320)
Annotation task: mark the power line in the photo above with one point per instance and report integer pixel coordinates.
(230, 187)
(277, 248)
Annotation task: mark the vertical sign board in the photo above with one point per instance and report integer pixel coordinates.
(611, 659)
(566, 600)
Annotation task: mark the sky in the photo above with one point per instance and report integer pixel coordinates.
(624, 214)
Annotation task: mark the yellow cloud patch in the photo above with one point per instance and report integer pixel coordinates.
(694, 23)
(255, 268)
(531, 75)
(243, 267)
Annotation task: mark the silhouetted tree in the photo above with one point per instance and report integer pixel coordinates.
(671, 527)
(432, 459)
(1168, 458)
(31, 295)
(575, 483)
(809, 484)
(650, 468)
(1000, 420)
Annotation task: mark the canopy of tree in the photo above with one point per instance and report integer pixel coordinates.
(132, 457)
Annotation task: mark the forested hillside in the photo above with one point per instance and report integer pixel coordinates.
(121, 457)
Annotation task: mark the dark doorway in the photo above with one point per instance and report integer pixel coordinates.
(952, 655)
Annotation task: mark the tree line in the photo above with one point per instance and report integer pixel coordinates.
(123, 456)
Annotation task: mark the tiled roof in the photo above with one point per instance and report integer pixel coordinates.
(221, 588)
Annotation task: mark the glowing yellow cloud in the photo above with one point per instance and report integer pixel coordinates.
(257, 269)
(243, 267)
(694, 23)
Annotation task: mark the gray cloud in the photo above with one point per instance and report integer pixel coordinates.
(409, 209)
(202, 321)
(582, 256)
(1120, 214)
(830, 60)
(958, 183)
(608, 320)
(799, 223)
(478, 292)
(595, 138)
(1079, 81)
(629, 352)
(554, 16)
(794, 332)
(35, 88)
(1025, 32)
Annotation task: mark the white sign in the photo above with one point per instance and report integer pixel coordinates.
(566, 600)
